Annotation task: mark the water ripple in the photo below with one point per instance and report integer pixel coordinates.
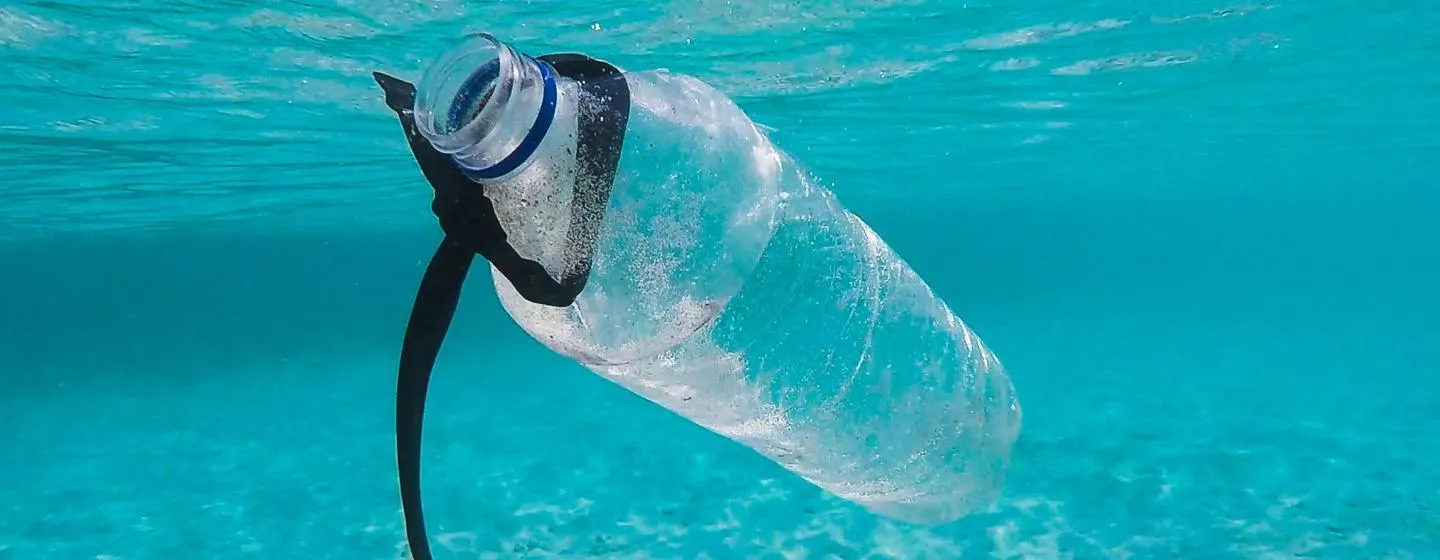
(276, 100)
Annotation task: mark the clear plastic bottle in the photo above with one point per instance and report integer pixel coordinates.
(732, 289)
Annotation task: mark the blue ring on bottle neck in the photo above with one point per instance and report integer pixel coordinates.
(475, 86)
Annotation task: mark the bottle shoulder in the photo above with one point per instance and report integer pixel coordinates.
(660, 98)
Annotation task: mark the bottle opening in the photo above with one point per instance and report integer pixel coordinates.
(486, 105)
(473, 96)
(451, 78)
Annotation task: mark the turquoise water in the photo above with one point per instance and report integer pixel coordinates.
(1202, 236)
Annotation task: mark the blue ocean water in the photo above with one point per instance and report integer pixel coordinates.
(1201, 235)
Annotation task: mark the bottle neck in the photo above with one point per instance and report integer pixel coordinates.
(487, 106)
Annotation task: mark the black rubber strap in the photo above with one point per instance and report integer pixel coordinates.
(466, 215)
(601, 123)
(430, 319)
(471, 227)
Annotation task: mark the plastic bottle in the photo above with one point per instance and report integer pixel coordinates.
(729, 287)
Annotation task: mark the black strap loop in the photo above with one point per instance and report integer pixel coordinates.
(471, 227)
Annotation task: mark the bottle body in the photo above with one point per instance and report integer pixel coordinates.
(730, 288)
(691, 209)
(838, 362)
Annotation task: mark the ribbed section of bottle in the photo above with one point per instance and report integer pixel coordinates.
(838, 362)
